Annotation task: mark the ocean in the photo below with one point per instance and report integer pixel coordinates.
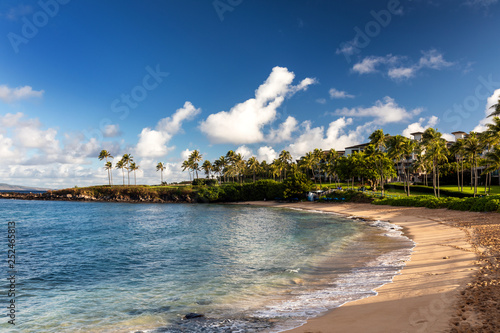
(118, 267)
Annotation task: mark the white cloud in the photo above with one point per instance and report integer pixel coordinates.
(9, 95)
(245, 152)
(267, 154)
(386, 111)
(153, 142)
(335, 136)
(402, 73)
(321, 101)
(172, 125)
(368, 65)
(433, 59)
(492, 100)
(285, 130)
(244, 122)
(185, 154)
(334, 93)
(111, 131)
(396, 70)
(419, 126)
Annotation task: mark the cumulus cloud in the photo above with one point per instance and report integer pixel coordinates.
(335, 136)
(10, 95)
(492, 100)
(245, 152)
(334, 93)
(153, 142)
(420, 126)
(396, 70)
(284, 131)
(244, 122)
(267, 154)
(386, 111)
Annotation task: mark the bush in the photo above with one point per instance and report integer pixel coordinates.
(484, 204)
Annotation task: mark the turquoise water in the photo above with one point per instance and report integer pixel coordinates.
(112, 267)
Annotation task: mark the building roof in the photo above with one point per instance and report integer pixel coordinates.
(358, 146)
(416, 133)
(458, 132)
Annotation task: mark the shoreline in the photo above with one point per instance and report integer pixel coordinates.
(423, 297)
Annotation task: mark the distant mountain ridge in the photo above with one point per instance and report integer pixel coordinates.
(7, 187)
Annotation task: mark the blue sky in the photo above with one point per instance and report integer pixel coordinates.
(158, 79)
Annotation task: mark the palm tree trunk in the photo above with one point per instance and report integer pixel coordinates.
(458, 177)
(123, 173)
(462, 183)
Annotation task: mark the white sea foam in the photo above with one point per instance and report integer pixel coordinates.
(359, 283)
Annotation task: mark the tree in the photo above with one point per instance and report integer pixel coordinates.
(193, 160)
(186, 166)
(496, 109)
(121, 165)
(285, 157)
(458, 150)
(492, 160)
(109, 166)
(435, 151)
(207, 168)
(409, 147)
(133, 167)
(254, 166)
(127, 159)
(308, 161)
(318, 157)
(104, 154)
(395, 150)
(160, 167)
(473, 148)
(376, 151)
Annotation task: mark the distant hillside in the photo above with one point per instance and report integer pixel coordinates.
(7, 187)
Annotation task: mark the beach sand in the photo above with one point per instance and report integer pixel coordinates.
(451, 283)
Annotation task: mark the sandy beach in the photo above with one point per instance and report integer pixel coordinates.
(449, 285)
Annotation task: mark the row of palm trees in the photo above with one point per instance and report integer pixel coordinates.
(385, 157)
(125, 163)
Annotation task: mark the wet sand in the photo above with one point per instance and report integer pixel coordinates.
(451, 283)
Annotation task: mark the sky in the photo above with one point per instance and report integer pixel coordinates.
(159, 79)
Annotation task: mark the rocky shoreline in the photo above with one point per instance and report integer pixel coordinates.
(170, 198)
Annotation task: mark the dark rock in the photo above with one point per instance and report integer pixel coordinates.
(193, 315)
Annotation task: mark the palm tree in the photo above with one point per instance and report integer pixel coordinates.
(331, 158)
(318, 157)
(492, 159)
(473, 148)
(435, 150)
(396, 151)
(275, 168)
(207, 167)
(109, 166)
(194, 158)
(458, 150)
(127, 159)
(104, 154)
(219, 166)
(378, 140)
(160, 167)
(496, 109)
(308, 161)
(186, 166)
(408, 148)
(254, 166)
(133, 167)
(285, 157)
(121, 165)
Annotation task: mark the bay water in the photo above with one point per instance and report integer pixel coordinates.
(119, 267)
